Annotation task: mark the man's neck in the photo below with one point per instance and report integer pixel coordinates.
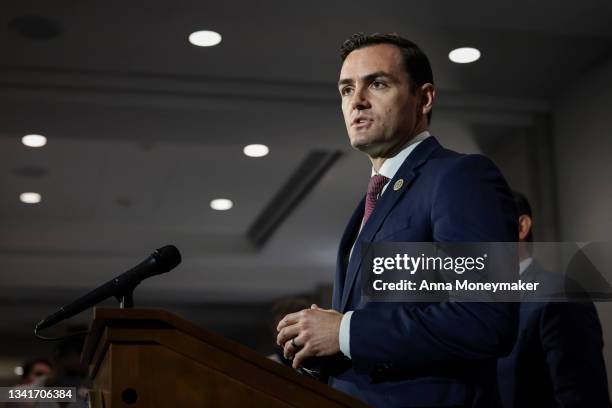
(377, 162)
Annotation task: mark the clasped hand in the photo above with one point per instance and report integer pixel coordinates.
(310, 332)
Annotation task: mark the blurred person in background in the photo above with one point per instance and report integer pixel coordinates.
(557, 360)
(36, 371)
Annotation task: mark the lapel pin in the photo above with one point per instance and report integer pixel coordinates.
(398, 184)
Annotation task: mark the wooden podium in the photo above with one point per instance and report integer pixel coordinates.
(150, 358)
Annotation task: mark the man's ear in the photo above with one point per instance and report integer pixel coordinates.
(524, 226)
(427, 96)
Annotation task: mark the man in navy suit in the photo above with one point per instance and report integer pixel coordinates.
(408, 354)
(557, 360)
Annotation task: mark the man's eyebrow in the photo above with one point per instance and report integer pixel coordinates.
(367, 78)
(345, 81)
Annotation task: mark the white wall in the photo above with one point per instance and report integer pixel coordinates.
(583, 153)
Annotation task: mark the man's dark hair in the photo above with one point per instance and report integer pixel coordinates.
(523, 208)
(416, 62)
(28, 366)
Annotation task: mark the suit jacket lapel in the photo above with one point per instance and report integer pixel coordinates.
(407, 172)
(344, 250)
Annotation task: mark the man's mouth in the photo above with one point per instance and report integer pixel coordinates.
(362, 122)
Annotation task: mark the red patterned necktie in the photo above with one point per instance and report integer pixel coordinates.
(375, 186)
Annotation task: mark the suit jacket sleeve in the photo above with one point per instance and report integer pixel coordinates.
(572, 342)
(471, 203)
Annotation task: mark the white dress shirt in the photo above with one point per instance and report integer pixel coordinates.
(524, 264)
(388, 169)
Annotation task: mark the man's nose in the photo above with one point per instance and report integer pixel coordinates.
(360, 100)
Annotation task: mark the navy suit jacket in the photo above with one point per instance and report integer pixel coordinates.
(557, 360)
(428, 354)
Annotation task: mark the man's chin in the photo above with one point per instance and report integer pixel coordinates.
(360, 143)
(361, 146)
(371, 149)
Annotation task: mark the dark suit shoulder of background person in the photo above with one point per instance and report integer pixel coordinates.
(557, 360)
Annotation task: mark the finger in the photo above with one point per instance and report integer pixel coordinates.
(289, 350)
(291, 318)
(287, 334)
(300, 357)
(294, 345)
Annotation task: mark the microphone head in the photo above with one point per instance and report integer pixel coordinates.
(167, 257)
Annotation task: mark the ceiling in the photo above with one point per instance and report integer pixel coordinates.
(145, 129)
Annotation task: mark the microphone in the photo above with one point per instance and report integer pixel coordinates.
(161, 261)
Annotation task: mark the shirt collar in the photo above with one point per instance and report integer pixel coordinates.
(392, 164)
(524, 264)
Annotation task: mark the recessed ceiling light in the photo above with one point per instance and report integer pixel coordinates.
(34, 140)
(205, 38)
(30, 198)
(464, 55)
(256, 150)
(221, 204)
